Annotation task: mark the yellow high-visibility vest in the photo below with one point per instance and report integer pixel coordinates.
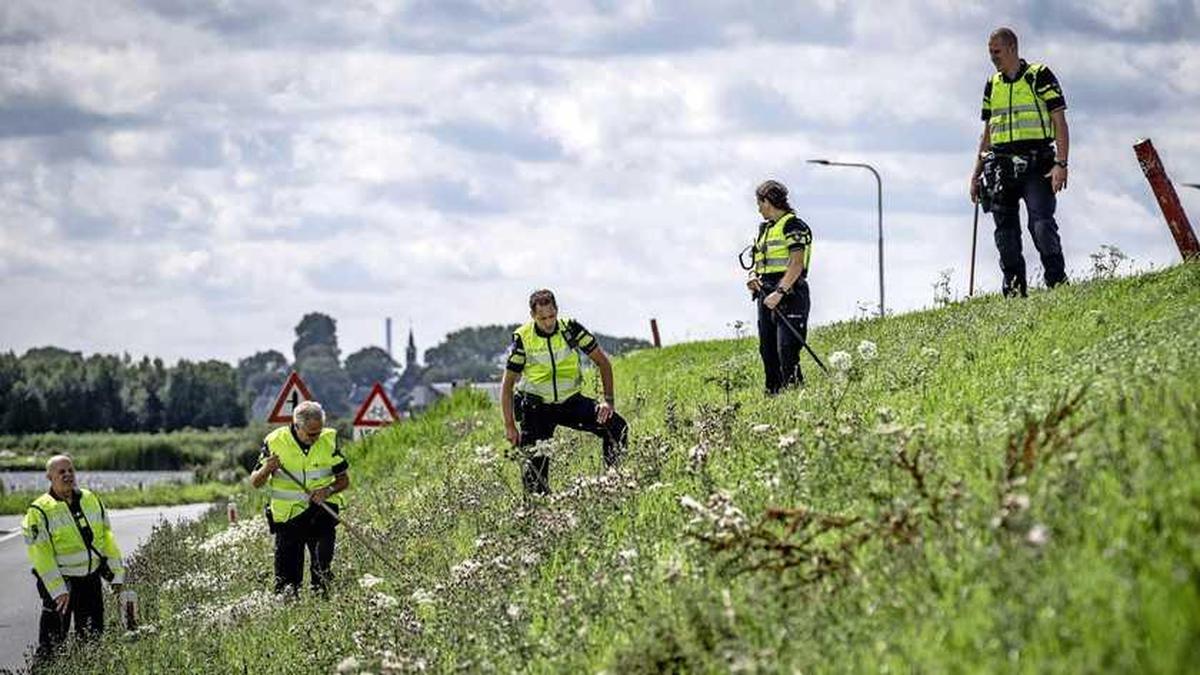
(771, 249)
(1017, 112)
(55, 543)
(552, 368)
(314, 468)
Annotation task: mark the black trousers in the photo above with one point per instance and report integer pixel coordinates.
(778, 346)
(1033, 187)
(314, 531)
(539, 420)
(86, 607)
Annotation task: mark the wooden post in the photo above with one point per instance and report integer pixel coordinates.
(654, 332)
(1168, 200)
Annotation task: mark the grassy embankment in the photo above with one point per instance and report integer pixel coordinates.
(1006, 486)
(216, 457)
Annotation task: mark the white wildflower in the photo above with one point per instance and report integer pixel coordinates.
(384, 601)
(369, 581)
(464, 569)
(236, 534)
(760, 428)
(787, 441)
(1038, 535)
(867, 350)
(628, 555)
(423, 597)
(513, 611)
(529, 558)
(1016, 502)
(841, 361)
(197, 581)
(485, 455)
(348, 665)
(930, 353)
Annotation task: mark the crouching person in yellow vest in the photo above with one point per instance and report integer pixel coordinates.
(309, 452)
(544, 356)
(71, 545)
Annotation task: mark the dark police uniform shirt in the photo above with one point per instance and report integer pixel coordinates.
(1046, 87)
(576, 335)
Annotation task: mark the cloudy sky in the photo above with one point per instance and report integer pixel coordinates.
(187, 178)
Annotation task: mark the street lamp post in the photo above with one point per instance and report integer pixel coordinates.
(879, 204)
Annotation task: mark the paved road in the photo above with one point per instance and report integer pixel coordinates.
(19, 604)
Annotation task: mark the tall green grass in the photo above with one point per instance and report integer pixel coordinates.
(1007, 486)
(97, 451)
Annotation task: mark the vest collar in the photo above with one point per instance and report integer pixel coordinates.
(304, 447)
(1020, 72)
(538, 331)
(76, 495)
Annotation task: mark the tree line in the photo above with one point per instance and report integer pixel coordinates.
(53, 389)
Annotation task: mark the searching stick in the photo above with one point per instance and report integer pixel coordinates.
(974, 237)
(334, 514)
(803, 342)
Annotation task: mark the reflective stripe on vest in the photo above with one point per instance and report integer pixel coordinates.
(552, 367)
(1016, 112)
(771, 250)
(314, 468)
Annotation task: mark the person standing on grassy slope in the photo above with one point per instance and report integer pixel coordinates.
(778, 281)
(1025, 130)
(309, 452)
(71, 545)
(545, 357)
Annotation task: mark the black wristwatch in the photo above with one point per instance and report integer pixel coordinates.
(1061, 162)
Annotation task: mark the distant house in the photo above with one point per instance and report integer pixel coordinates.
(492, 389)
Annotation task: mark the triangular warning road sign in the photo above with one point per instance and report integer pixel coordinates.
(291, 395)
(376, 410)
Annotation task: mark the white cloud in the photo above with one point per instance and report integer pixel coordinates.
(233, 167)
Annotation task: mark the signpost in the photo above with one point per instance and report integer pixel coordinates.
(375, 413)
(1168, 201)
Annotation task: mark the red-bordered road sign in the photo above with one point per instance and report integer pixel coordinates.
(376, 410)
(293, 393)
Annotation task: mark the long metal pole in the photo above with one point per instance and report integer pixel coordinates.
(879, 204)
(974, 238)
(879, 207)
(362, 539)
(803, 342)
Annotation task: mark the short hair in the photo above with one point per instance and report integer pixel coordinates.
(774, 193)
(541, 297)
(1005, 35)
(53, 460)
(308, 411)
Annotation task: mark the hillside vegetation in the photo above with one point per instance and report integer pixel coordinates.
(1005, 486)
